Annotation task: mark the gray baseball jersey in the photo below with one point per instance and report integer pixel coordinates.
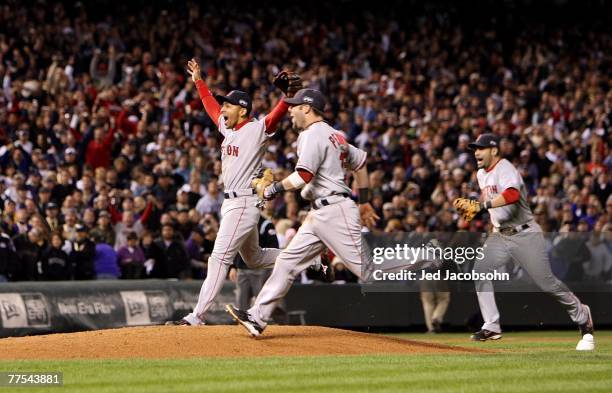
(241, 153)
(492, 183)
(324, 152)
(526, 248)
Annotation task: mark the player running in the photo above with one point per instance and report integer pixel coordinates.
(517, 237)
(242, 151)
(324, 157)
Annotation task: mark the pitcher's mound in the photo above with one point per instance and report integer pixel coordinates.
(164, 342)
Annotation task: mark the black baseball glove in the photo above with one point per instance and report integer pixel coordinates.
(288, 82)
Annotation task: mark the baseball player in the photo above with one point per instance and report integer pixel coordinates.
(242, 151)
(324, 157)
(517, 237)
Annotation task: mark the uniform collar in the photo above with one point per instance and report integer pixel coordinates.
(488, 170)
(315, 123)
(240, 125)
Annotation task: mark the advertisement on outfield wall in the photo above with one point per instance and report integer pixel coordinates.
(74, 306)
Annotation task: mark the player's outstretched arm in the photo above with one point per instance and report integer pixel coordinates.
(211, 105)
(470, 208)
(294, 181)
(289, 83)
(507, 197)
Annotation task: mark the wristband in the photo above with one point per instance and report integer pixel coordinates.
(363, 195)
(277, 187)
(295, 180)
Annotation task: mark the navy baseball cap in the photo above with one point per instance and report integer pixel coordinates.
(311, 97)
(236, 97)
(484, 141)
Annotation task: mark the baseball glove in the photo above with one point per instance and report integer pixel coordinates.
(259, 184)
(467, 208)
(288, 82)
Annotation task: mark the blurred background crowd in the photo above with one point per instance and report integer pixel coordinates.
(109, 167)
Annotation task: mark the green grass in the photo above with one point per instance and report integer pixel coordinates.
(523, 362)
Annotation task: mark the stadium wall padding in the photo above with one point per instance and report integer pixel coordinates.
(46, 307)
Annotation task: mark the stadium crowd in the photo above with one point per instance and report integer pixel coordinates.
(110, 168)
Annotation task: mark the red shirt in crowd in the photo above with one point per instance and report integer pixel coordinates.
(98, 154)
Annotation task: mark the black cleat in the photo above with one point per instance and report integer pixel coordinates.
(587, 328)
(180, 322)
(485, 335)
(437, 326)
(243, 318)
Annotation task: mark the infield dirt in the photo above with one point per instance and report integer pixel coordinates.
(165, 342)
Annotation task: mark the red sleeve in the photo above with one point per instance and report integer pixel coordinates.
(305, 175)
(115, 214)
(90, 154)
(511, 195)
(274, 117)
(76, 134)
(146, 212)
(211, 105)
(108, 140)
(125, 126)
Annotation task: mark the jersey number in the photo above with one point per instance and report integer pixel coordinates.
(340, 143)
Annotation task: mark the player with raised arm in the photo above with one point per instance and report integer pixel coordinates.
(324, 158)
(242, 151)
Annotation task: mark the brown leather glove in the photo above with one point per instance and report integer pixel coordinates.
(288, 82)
(467, 208)
(259, 184)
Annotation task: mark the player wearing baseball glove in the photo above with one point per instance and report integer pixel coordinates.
(288, 82)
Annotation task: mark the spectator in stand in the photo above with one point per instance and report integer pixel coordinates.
(340, 273)
(155, 261)
(69, 229)
(131, 258)
(98, 152)
(199, 249)
(105, 261)
(599, 265)
(104, 230)
(174, 255)
(52, 216)
(82, 255)
(55, 261)
(129, 223)
(8, 257)
(212, 200)
(29, 248)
